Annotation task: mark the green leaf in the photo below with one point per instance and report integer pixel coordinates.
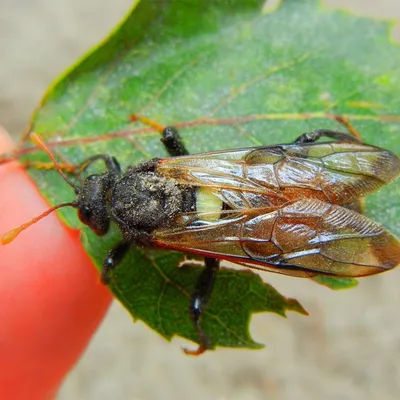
(228, 75)
(336, 283)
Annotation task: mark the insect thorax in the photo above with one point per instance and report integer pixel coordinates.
(143, 201)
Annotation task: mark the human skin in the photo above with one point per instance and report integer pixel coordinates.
(50, 295)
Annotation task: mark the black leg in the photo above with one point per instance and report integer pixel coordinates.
(111, 163)
(170, 136)
(319, 133)
(113, 258)
(173, 142)
(199, 299)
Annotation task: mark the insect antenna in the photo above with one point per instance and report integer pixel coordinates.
(12, 234)
(39, 142)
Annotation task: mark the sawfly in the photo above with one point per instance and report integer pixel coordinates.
(287, 208)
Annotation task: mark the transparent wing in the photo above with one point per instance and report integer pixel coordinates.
(335, 172)
(305, 238)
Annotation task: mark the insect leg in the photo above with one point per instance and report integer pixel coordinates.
(111, 163)
(199, 299)
(347, 124)
(170, 137)
(113, 258)
(173, 142)
(319, 133)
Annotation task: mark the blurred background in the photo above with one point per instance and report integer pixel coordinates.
(349, 347)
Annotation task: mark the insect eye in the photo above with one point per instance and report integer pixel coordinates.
(85, 214)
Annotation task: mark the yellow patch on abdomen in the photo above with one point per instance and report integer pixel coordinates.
(208, 204)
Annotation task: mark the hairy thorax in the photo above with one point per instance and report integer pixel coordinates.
(144, 201)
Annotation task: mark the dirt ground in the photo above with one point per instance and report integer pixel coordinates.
(349, 348)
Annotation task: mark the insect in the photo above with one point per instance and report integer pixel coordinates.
(285, 208)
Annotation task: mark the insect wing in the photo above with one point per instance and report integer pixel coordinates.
(335, 172)
(306, 238)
